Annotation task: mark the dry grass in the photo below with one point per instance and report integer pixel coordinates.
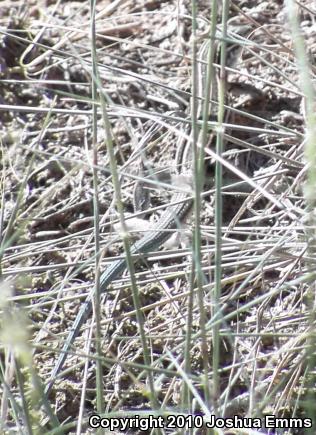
(250, 349)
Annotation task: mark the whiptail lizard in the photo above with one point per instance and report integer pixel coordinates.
(180, 205)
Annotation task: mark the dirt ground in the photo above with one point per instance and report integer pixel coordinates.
(144, 51)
